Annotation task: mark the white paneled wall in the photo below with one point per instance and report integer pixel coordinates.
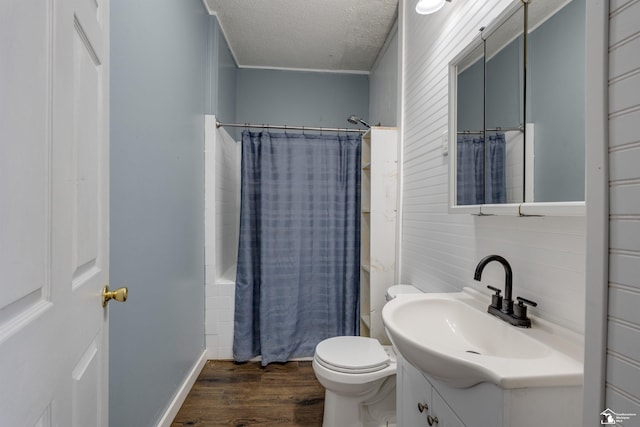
(623, 349)
(439, 251)
(222, 215)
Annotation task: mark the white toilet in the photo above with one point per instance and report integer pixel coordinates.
(359, 375)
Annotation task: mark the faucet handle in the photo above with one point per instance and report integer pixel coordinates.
(496, 299)
(522, 301)
(520, 311)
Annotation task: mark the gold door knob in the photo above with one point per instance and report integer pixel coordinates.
(119, 295)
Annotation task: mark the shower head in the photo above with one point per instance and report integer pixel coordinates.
(357, 120)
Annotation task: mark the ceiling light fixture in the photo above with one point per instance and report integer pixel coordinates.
(426, 7)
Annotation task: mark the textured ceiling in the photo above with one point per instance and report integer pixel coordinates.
(340, 35)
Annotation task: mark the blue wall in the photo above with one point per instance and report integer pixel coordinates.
(470, 98)
(169, 68)
(222, 70)
(503, 73)
(158, 75)
(300, 98)
(503, 105)
(556, 66)
(383, 84)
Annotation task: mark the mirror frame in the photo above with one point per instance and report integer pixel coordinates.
(508, 209)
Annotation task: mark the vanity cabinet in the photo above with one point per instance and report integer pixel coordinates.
(377, 226)
(427, 407)
(443, 415)
(483, 405)
(419, 403)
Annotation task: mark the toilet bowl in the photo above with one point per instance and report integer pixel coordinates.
(359, 375)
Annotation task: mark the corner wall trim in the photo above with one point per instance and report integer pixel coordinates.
(183, 391)
(597, 210)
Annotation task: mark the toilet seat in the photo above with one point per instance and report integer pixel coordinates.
(352, 355)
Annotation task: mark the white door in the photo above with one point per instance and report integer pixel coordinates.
(54, 176)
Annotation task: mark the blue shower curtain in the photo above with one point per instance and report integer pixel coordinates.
(480, 174)
(470, 170)
(297, 280)
(495, 186)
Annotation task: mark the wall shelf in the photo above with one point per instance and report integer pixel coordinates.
(377, 226)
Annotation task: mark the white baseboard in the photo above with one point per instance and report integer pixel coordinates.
(183, 391)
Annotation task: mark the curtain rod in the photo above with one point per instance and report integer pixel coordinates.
(498, 129)
(283, 127)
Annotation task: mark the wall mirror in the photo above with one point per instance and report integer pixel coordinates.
(517, 108)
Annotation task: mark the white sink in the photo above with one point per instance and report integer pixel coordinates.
(451, 337)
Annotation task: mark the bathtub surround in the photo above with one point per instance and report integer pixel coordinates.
(297, 280)
(222, 216)
(222, 192)
(321, 99)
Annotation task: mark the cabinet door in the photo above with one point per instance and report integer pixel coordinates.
(443, 413)
(413, 389)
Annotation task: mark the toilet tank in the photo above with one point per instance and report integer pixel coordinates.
(395, 290)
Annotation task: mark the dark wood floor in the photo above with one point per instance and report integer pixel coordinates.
(229, 394)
